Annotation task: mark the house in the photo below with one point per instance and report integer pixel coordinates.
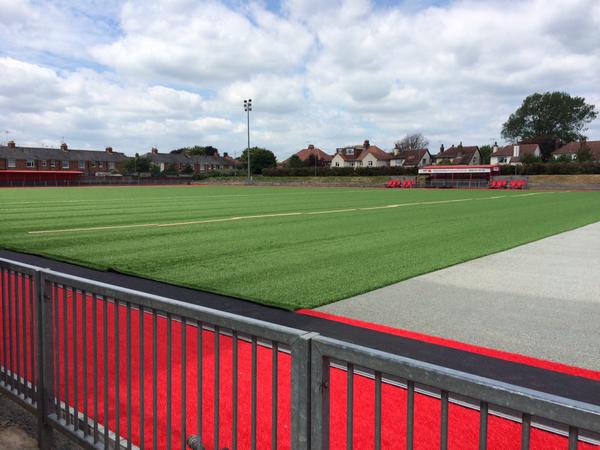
(89, 162)
(365, 155)
(410, 158)
(179, 162)
(514, 154)
(570, 150)
(306, 154)
(459, 155)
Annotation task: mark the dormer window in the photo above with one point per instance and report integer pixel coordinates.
(349, 151)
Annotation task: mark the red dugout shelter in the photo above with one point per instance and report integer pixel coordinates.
(469, 177)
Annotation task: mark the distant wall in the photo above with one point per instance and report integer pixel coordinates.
(560, 182)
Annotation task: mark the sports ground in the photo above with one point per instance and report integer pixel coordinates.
(288, 247)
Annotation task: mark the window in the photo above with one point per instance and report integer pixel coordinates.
(44, 163)
(93, 163)
(337, 164)
(99, 164)
(82, 164)
(111, 165)
(12, 163)
(30, 164)
(65, 164)
(52, 163)
(370, 163)
(349, 151)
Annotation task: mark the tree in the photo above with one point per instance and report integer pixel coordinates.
(584, 154)
(486, 153)
(139, 164)
(412, 142)
(531, 159)
(547, 118)
(294, 162)
(260, 158)
(209, 150)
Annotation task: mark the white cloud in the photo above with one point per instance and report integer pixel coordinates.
(172, 73)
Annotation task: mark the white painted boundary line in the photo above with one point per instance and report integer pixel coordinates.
(264, 216)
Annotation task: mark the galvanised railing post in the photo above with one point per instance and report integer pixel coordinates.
(319, 402)
(301, 413)
(44, 346)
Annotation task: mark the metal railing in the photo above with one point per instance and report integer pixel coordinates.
(116, 368)
(374, 369)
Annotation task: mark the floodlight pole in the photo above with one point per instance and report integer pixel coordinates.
(248, 108)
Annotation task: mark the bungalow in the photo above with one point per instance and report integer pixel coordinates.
(571, 149)
(514, 154)
(89, 162)
(365, 155)
(178, 162)
(459, 155)
(411, 158)
(307, 154)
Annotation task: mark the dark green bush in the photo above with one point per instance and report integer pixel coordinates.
(337, 171)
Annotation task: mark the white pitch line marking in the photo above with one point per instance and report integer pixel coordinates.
(264, 216)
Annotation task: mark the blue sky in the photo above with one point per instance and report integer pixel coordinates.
(133, 74)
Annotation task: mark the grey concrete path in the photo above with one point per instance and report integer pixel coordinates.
(541, 299)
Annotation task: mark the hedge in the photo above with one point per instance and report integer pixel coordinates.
(552, 168)
(338, 171)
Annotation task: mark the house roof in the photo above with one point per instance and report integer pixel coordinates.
(182, 158)
(573, 148)
(42, 153)
(524, 149)
(376, 152)
(306, 153)
(459, 154)
(411, 157)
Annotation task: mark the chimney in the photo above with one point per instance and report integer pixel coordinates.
(11, 144)
(442, 148)
(516, 149)
(109, 150)
(396, 151)
(225, 155)
(366, 143)
(154, 151)
(311, 147)
(64, 147)
(495, 147)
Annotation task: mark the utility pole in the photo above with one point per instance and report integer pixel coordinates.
(248, 108)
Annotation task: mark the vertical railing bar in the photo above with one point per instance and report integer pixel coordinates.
(183, 381)
(234, 389)
(17, 294)
(105, 358)
(154, 380)
(350, 406)
(128, 305)
(84, 351)
(169, 378)
(410, 413)
(56, 301)
(377, 410)
(217, 375)
(444, 421)
(141, 382)
(5, 321)
(66, 352)
(253, 395)
(10, 330)
(483, 425)
(24, 323)
(75, 383)
(117, 376)
(525, 431)
(199, 380)
(33, 319)
(274, 380)
(573, 437)
(95, 368)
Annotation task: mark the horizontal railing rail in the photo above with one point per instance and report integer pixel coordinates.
(112, 367)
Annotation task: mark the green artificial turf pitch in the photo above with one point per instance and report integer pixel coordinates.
(291, 247)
